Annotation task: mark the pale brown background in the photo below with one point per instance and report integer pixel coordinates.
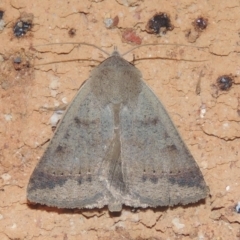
(209, 122)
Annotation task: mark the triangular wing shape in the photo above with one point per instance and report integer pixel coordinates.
(159, 169)
(68, 175)
(116, 145)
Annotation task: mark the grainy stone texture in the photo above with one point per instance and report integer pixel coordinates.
(208, 122)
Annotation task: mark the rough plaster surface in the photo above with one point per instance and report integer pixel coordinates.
(209, 121)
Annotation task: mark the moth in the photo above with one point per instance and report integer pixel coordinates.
(116, 145)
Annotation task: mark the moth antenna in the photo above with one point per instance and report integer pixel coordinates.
(164, 44)
(76, 43)
(62, 61)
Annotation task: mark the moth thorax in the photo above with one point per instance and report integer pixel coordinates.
(116, 83)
